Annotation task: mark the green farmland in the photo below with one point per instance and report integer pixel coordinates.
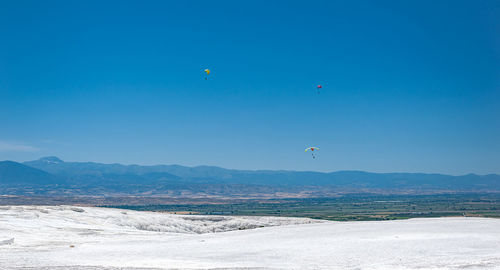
(346, 208)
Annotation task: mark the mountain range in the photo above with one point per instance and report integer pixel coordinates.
(51, 175)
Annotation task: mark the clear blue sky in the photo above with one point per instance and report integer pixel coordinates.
(407, 85)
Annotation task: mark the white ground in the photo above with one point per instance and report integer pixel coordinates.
(68, 237)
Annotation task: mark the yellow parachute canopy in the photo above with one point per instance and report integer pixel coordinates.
(312, 149)
(207, 71)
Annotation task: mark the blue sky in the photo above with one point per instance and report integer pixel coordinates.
(407, 85)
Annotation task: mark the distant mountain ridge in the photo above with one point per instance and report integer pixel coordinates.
(97, 178)
(19, 174)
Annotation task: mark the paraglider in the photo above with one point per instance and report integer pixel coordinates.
(312, 149)
(319, 87)
(207, 71)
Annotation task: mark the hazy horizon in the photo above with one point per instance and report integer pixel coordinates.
(256, 169)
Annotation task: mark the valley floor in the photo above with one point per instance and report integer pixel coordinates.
(68, 237)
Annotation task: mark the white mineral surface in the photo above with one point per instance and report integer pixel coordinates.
(88, 238)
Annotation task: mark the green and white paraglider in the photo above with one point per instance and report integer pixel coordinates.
(312, 149)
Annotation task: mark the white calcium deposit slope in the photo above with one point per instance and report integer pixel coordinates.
(66, 237)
